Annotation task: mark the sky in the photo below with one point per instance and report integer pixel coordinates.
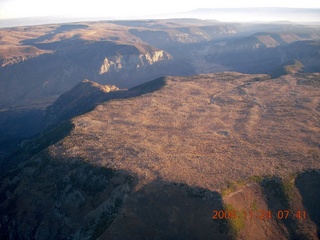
(128, 8)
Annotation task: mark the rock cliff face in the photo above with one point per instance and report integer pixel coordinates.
(262, 41)
(254, 55)
(167, 34)
(16, 54)
(65, 64)
(80, 99)
(119, 62)
(39, 63)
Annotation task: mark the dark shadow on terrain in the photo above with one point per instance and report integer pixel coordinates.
(47, 138)
(147, 87)
(72, 189)
(22, 150)
(61, 199)
(277, 195)
(267, 60)
(72, 61)
(54, 125)
(19, 123)
(84, 97)
(166, 210)
(308, 184)
(15, 126)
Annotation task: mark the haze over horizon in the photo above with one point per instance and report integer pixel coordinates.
(11, 9)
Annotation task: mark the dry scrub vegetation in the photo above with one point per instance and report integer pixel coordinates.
(17, 44)
(156, 161)
(204, 131)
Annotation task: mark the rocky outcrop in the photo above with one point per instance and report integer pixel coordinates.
(80, 99)
(168, 36)
(48, 75)
(252, 55)
(120, 62)
(16, 54)
(261, 41)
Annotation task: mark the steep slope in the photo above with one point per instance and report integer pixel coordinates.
(87, 95)
(274, 208)
(172, 36)
(252, 55)
(18, 126)
(290, 67)
(271, 40)
(158, 163)
(40, 63)
(238, 105)
(80, 99)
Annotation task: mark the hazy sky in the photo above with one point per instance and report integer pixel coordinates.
(128, 8)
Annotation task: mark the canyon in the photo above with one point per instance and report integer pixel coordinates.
(149, 129)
